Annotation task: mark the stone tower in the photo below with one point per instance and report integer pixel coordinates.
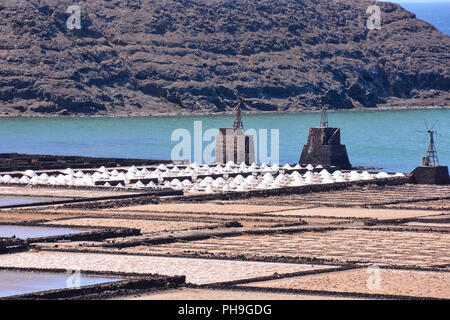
(324, 146)
(232, 144)
(431, 172)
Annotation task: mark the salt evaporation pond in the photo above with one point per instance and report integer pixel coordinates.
(25, 232)
(16, 282)
(10, 201)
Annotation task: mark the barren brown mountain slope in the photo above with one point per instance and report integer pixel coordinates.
(160, 56)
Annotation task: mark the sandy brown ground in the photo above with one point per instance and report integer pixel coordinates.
(57, 192)
(9, 217)
(422, 224)
(146, 226)
(380, 214)
(208, 294)
(443, 216)
(211, 208)
(206, 208)
(254, 219)
(391, 282)
(130, 215)
(423, 205)
(158, 225)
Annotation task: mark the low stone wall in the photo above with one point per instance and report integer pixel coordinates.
(21, 162)
(11, 245)
(96, 235)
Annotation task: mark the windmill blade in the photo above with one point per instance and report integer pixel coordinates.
(434, 124)
(425, 136)
(426, 124)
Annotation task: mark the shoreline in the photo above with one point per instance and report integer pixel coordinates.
(221, 113)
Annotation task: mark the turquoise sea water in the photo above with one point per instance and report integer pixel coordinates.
(386, 139)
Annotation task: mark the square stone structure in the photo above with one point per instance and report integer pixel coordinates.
(431, 175)
(234, 145)
(324, 147)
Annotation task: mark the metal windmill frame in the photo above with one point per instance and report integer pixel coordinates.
(238, 124)
(432, 157)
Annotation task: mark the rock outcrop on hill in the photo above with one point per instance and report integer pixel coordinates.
(188, 56)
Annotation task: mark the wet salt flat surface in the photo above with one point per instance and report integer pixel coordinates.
(197, 271)
(15, 283)
(25, 232)
(10, 201)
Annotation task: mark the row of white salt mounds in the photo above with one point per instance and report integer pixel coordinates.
(68, 178)
(86, 179)
(162, 172)
(239, 183)
(79, 178)
(194, 169)
(267, 181)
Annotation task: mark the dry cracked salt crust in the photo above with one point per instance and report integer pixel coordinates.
(57, 192)
(195, 217)
(426, 224)
(367, 195)
(209, 294)
(425, 284)
(197, 271)
(14, 217)
(380, 214)
(207, 208)
(350, 245)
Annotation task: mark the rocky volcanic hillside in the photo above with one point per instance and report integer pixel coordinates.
(156, 56)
